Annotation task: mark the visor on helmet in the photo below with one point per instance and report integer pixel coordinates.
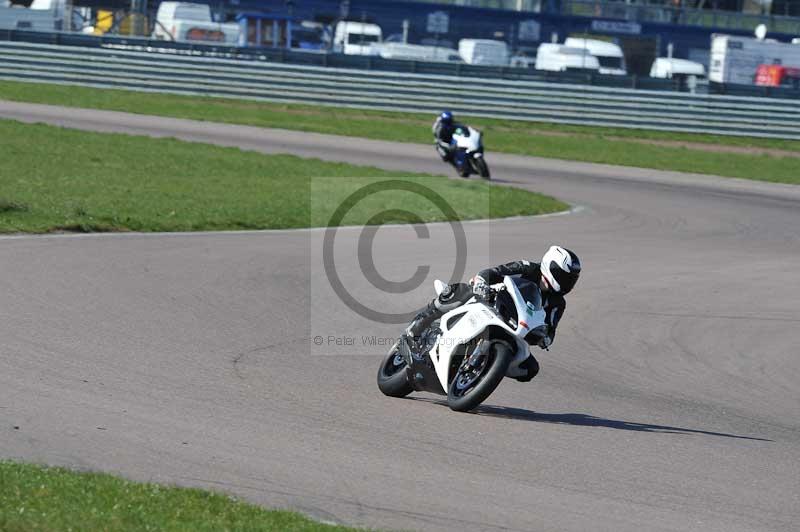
(566, 280)
(561, 267)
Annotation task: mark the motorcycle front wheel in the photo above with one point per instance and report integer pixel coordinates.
(392, 378)
(482, 167)
(461, 162)
(473, 383)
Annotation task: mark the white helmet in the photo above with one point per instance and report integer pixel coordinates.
(561, 267)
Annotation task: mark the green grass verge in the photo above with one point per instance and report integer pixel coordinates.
(53, 499)
(62, 179)
(590, 144)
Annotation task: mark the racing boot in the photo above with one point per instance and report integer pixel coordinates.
(446, 151)
(421, 322)
(523, 371)
(433, 312)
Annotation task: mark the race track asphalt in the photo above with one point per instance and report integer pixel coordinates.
(670, 400)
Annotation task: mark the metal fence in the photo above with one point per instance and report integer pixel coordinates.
(280, 55)
(409, 92)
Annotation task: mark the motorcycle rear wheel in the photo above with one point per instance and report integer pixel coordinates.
(392, 377)
(471, 386)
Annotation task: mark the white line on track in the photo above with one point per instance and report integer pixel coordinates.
(120, 234)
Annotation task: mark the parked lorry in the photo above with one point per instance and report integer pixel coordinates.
(483, 52)
(187, 22)
(356, 38)
(671, 68)
(736, 59)
(41, 16)
(416, 52)
(608, 54)
(560, 58)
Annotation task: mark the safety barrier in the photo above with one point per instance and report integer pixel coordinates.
(369, 62)
(392, 91)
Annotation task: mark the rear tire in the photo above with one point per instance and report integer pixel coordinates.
(392, 377)
(482, 167)
(499, 359)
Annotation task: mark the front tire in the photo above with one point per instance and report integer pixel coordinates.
(482, 167)
(470, 386)
(392, 377)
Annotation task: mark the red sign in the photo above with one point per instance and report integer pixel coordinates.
(200, 34)
(775, 75)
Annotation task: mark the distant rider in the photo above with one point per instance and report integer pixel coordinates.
(556, 275)
(443, 130)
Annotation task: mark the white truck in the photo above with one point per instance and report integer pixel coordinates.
(43, 15)
(670, 68)
(559, 58)
(416, 52)
(187, 22)
(357, 38)
(736, 59)
(485, 52)
(608, 54)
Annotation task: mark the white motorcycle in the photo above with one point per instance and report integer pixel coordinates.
(465, 354)
(467, 149)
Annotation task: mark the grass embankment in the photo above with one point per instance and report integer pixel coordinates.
(61, 179)
(719, 155)
(53, 499)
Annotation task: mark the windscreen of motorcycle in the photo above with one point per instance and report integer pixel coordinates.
(530, 292)
(505, 306)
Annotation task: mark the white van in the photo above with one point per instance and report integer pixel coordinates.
(560, 58)
(668, 68)
(417, 52)
(608, 54)
(356, 38)
(483, 52)
(184, 21)
(34, 19)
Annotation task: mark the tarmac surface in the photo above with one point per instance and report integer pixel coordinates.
(669, 401)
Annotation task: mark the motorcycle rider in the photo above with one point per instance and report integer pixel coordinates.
(556, 275)
(443, 130)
